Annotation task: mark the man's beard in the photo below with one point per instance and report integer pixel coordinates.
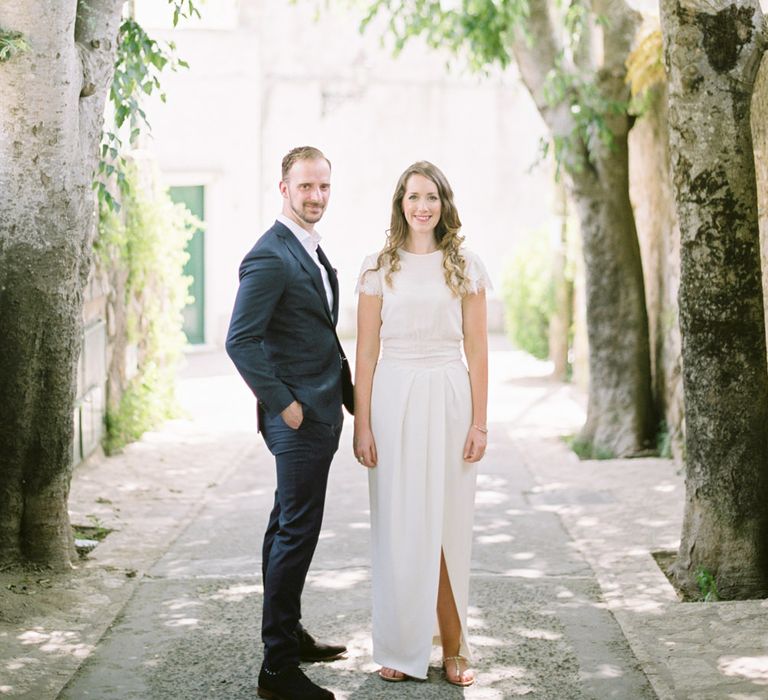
(306, 216)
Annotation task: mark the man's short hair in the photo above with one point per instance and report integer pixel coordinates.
(302, 153)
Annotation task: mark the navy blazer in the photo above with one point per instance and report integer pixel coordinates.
(282, 336)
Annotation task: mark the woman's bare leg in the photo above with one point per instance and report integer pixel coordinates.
(450, 627)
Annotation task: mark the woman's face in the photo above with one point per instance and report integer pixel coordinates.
(421, 204)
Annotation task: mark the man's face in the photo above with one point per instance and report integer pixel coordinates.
(305, 191)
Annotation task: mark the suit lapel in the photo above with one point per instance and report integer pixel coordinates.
(310, 267)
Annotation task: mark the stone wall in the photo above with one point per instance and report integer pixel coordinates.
(90, 403)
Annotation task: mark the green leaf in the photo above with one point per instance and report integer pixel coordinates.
(12, 43)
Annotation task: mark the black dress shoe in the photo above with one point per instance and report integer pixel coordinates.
(310, 650)
(290, 684)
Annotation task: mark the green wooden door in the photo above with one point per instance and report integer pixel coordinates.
(193, 197)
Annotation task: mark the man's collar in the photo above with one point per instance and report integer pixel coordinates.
(301, 233)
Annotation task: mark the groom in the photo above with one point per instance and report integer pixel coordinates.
(283, 341)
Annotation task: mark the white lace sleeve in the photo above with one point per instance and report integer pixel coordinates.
(477, 275)
(369, 280)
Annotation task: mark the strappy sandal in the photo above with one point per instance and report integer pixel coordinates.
(392, 679)
(459, 672)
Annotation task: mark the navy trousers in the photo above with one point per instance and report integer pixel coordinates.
(303, 458)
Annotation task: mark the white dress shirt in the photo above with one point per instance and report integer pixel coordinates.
(310, 241)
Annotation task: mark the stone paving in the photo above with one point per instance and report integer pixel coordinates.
(566, 600)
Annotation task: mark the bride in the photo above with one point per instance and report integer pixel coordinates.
(420, 425)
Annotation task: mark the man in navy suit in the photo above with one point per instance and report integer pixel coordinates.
(282, 339)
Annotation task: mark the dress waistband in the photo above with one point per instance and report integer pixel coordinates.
(428, 352)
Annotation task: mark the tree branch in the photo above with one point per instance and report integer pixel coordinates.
(619, 35)
(96, 30)
(96, 36)
(536, 50)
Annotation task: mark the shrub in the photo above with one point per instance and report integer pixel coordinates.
(529, 296)
(144, 245)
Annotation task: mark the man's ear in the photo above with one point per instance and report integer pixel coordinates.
(283, 186)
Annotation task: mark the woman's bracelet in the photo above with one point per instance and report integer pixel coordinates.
(480, 428)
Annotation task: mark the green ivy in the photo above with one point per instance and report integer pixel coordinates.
(11, 44)
(139, 63)
(707, 585)
(147, 239)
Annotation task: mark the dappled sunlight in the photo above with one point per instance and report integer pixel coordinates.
(495, 524)
(647, 604)
(524, 573)
(195, 544)
(666, 487)
(494, 539)
(56, 641)
(338, 580)
(183, 622)
(523, 556)
(21, 662)
(547, 635)
(587, 521)
(490, 498)
(359, 526)
(753, 668)
(479, 640)
(491, 481)
(558, 509)
(554, 486)
(499, 673)
(654, 523)
(183, 604)
(236, 592)
(178, 615)
(476, 622)
(604, 671)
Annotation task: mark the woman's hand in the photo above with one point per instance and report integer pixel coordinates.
(477, 441)
(364, 447)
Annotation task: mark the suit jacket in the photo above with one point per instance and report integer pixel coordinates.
(282, 336)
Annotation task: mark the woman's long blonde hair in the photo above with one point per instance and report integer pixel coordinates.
(446, 231)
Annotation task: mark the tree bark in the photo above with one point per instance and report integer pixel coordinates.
(561, 321)
(621, 418)
(712, 52)
(51, 115)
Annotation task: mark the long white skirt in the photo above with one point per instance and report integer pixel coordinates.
(422, 499)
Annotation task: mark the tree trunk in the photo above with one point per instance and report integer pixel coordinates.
(620, 417)
(620, 414)
(712, 58)
(560, 322)
(51, 111)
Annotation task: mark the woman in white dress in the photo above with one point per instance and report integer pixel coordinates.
(420, 425)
